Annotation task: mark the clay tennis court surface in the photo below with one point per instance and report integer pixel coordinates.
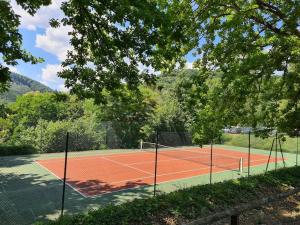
(106, 173)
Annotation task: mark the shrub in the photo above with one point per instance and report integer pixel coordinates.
(51, 136)
(7, 150)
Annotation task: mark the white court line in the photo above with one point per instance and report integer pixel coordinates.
(117, 154)
(131, 167)
(237, 157)
(51, 160)
(83, 195)
(172, 158)
(165, 174)
(162, 182)
(145, 177)
(160, 175)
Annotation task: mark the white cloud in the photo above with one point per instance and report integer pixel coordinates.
(55, 41)
(49, 73)
(63, 88)
(49, 77)
(42, 16)
(13, 69)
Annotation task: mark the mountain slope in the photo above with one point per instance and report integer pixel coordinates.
(21, 85)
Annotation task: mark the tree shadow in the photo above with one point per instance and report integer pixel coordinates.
(29, 193)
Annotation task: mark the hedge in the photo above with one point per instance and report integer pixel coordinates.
(7, 150)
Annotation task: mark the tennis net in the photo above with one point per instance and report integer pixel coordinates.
(195, 155)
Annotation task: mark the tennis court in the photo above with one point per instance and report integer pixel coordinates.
(106, 173)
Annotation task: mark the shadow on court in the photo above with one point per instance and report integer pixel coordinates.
(29, 193)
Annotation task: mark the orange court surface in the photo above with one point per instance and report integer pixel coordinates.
(106, 173)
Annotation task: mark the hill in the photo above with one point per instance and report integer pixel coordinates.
(21, 85)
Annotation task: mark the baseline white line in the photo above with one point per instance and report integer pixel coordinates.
(49, 171)
(51, 160)
(235, 151)
(237, 157)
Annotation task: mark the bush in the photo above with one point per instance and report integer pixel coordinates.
(51, 136)
(86, 135)
(6, 150)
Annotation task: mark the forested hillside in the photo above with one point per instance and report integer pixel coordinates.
(21, 85)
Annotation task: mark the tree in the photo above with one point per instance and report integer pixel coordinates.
(255, 46)
(199, 99)
(33, 106)
(127, 113)
(170, 114)
(113, 40)
(11, 40)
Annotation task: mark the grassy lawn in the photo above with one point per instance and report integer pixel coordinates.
(241, 140)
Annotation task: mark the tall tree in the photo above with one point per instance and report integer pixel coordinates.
(120, 41)
(127, 112)
(255, 44)
(11, 40)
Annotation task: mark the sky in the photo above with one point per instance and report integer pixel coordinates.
(49, 43)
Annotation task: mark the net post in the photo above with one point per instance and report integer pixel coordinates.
(241, 165)
(65, 175)
(249, 151)
(141, 144)
(155, 168)
(211, 162)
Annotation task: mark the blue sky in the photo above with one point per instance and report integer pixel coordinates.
(45, 42)
(48, 43)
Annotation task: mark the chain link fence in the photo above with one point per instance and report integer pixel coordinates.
(84, 166)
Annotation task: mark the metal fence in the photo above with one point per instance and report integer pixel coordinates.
(92, 165)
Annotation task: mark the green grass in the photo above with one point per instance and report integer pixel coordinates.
(241, 140)
(188, 204)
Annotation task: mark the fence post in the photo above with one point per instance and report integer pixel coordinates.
(155, 169)
(65, 175)
(297, 152)
(276, 151)
(249, 151)
(235, 220)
